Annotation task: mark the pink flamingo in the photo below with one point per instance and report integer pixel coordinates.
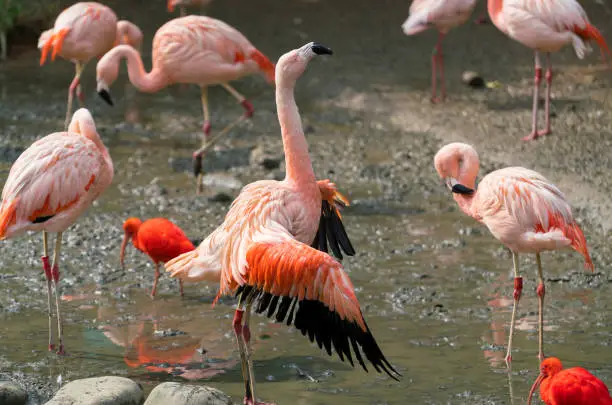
(444, 15)
(182, 4)
(522, 209)
(261, 251)
(545, 26)
(82, 32)
(193, 49)
(49, 187)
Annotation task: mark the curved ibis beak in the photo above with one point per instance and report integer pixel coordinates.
(126, 239)
(321, 49)
(533, 388)
(106, 96)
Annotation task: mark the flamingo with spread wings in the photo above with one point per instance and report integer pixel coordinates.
(263, 252)
(521, 208)
(193, 49)
(82, 32)
(545, 26)
(49, 186)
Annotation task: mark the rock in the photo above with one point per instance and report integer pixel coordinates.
(185, 394)
(473, 79)
(12, 394)
(266, 159)
(99, 391)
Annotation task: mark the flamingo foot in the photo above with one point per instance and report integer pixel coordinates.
(51, 347)
(61, 351)
(250, 401)
(436, 100)
(249, 110)
(535, 134)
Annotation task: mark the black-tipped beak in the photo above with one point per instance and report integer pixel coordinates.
(461, 189)
(106, 97)
(321, 49)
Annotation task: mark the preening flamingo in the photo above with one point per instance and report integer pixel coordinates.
(522, 209)
(545, 26)
(266, 249)
(182, 4)
(444, 15)
(193, 49)
(159, 238)
(82, 32)
(572, 386)
(49, 186)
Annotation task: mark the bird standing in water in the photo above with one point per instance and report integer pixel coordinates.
(49, 186)
(545, 26)
(82, 32)
(263, 250)
(182, 4)
(444, 15)
(572, 386)
(521, 208)
(193, 50)
(159, 238)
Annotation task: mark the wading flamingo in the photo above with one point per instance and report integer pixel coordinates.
(261, 251)
(159, 238)
(49, 186)
(182, 4)
(193, 49)
(444, 15)
(572, 386)
(82, 32)
(545, 26)
(522, 209)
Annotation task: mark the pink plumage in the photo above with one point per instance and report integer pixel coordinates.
(51, 184)
(443, 15)
(545, 26)
(521, 208)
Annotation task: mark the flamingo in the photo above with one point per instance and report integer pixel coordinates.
(572, 386)
(521, 208)
(49, 186)
(193, 49)
(545, 26)
(444, 15)
(182, 4)
(261, 251)
(82, 32)
(159, 238)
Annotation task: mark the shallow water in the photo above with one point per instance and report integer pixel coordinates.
(434, 286)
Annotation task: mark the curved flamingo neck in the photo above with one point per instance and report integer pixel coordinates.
(468, 171)
(297, 160)
(150, 82)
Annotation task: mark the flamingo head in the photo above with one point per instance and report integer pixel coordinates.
(130, 228)
(107, 72)
(457, 165)
(548, 368)
(291, 65)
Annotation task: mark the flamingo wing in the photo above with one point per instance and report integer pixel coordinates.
(578, 386)
(560, 15)
(53, 175)
(331, 229)
(287, 279)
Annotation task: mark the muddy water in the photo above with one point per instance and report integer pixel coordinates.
(434, 286)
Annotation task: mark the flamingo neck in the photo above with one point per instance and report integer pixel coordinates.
(150, 82)
(297, 160)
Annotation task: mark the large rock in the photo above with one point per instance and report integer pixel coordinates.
(12, 394)
(99, 391)
(184, 394)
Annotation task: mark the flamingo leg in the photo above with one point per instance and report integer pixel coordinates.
(56, 275)
(248, 107)
(541, 291)
(536, 99)
(237, 325)
(518, 289)
(47, 269)
(197, 157)
(154, 289)
(549, 77)
(181, 287)
(437, 63)
(71, 90)
(246, 334)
